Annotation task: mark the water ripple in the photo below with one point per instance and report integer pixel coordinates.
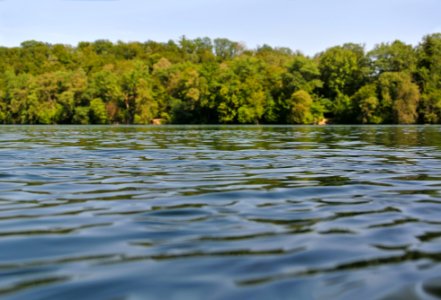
(218, 212)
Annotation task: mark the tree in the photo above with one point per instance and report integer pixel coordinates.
(394, 57)
(34, 57)
(242, 96)
(399, 98)
(429, 77)
(429, 62)
(97, 112)
(430, 108)
(81, 115)
(300, 112)
(367, 105)
(21, 99)
(226, 49)
(343, 70)
(303, 74)
(220, 81)
(104, 85)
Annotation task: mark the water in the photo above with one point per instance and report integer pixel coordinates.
(335, 212)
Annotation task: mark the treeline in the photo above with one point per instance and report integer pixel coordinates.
(205, 81)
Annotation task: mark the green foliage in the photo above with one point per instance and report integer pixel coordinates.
(195, 81)
(97, 112)
(430, 109)
(226, 49)
(343, 70)
(342, 109)
(300, 112)
(303, 74)
(395, 57)
(400, 98)
(81, 115)
(367, 105)
(429, 64)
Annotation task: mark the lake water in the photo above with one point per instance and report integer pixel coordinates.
(334, 212)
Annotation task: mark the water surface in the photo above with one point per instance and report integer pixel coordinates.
(335, 212)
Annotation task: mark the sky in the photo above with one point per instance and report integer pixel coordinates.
(310, 26)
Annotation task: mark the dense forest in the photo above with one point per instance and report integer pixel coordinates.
(204, 81)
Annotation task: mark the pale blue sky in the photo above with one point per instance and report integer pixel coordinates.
(307, 25)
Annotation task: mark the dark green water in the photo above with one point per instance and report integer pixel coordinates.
(335, 212)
